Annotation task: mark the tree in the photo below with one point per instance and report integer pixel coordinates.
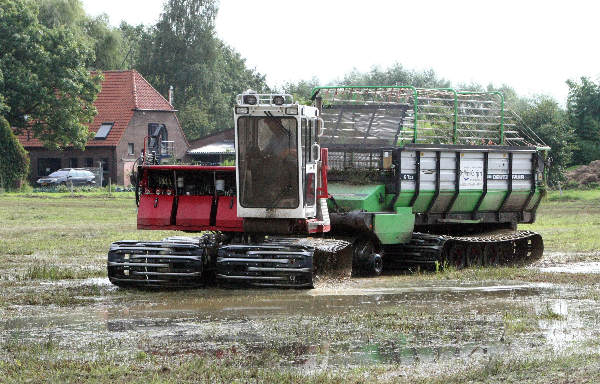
(96, 33)
(131, 38)
(395, 75)
(583, 106)
(107, 44)
(47, 87)
(302, 90)
(545, 117)
(15, 162)
(181, 50)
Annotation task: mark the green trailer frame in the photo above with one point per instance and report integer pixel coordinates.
(439, 123)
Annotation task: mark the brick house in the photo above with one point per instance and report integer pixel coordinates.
(128, 108)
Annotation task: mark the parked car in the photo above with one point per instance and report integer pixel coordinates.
(66, 176)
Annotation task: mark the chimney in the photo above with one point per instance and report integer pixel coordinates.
(171, 95)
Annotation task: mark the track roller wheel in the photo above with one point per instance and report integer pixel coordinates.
(377, 264)
(366, 259)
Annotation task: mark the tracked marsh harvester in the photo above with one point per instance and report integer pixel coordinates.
(366, 178)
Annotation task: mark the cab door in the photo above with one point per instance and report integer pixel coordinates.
(309, 165)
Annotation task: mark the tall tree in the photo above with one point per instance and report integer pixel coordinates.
(545, 117)
(107, 43)
(96, 32)
(46, 86)
(583, 106)
(182, 50)
(131, 38)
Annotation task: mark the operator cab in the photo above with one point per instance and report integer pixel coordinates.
(278, 157)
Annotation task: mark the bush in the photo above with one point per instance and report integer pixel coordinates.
(62, 188)
(14, 162)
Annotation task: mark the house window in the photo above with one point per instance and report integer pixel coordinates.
(47, 165)
(73, 162)
(158, 137)
(130, 149)
(105, 167)
(103, 131)
(155, 129)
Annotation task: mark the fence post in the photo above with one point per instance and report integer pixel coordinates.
(101, 173)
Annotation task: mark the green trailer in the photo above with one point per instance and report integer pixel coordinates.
(429, 176)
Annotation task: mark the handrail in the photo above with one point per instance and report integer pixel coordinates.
(455, 133)
(501, 108)
(415, 91)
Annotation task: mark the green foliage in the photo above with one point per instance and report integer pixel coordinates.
(195, 119)
(14, 162)
(583, 106)
(107, 43)
(228, 162)
(55, 13)
(181, 50)
(545, 117)
(131, 37)
(47, 86)
(95, 33)
(396, 75)
(512, 100)
(302, 90)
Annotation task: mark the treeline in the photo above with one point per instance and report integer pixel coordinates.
(573, 132)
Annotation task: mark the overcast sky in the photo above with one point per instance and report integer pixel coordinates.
(533, 46)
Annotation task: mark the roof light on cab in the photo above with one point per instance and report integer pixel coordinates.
(291, 110)
(250, 99)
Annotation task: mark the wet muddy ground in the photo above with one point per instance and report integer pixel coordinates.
(421, 327)
(534, 324)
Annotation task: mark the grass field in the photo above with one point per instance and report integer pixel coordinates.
(61, 322)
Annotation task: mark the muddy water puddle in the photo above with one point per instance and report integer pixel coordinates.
(359, 324)
(580, 268)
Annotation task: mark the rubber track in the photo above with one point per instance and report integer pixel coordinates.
(427, 250)
(265, 265)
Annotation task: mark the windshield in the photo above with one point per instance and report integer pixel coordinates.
(268, 162)
(59, 174)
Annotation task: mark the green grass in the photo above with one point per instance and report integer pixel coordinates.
(48, 240)
(574, 195)
(64, 234)
(569, 221)
(40, 363)
(53, 272)
(76, 194)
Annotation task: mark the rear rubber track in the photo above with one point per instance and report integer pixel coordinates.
(431, 251)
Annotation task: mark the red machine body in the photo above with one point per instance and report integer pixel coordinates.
(188, 198)
(198, 198)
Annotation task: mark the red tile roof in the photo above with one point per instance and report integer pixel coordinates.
(122, 93)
